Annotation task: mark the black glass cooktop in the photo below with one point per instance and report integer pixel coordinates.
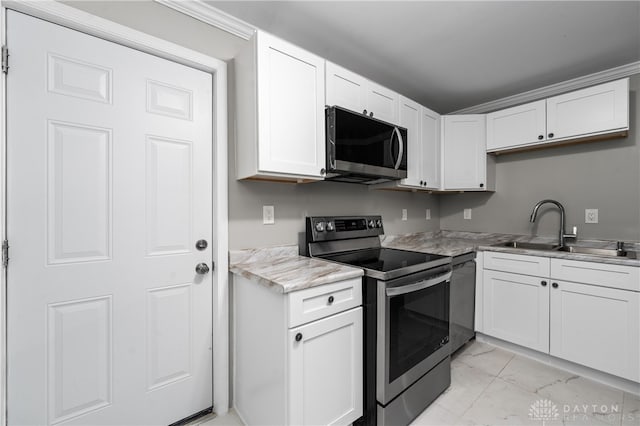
(386, 259)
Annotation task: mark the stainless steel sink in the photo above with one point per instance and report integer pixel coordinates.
(628, 254)
(599, 251)
(528, 246)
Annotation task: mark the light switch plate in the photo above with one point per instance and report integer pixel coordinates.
(467, 214)
(591, 216)
(427, 214)
(268, 215)
(404, 214)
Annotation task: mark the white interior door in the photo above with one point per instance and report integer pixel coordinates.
(109, 187)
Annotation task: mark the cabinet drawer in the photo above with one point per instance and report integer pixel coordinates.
(517, 263)
(319, 302)
(603, 274)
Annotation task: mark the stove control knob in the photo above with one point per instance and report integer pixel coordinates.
(379, 223)
(372, 224)
(320, 226)
(330, 227)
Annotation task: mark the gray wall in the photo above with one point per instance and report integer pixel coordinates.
(602, 175)
(155, 19)
(293, 202)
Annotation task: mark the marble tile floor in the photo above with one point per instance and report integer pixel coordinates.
(492, 386)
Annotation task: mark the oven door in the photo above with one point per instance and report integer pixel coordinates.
(412, 329)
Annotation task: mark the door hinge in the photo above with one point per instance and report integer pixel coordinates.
(5, 59)
(5, 254)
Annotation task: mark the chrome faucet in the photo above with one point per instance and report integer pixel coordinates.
(562, 234)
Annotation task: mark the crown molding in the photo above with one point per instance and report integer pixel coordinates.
(204, 12)
(554, 89)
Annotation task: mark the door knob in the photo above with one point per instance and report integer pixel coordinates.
(202, 268)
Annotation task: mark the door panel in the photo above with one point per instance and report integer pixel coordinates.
(109, 187)
(79, 193)
(325, 364)
(577, 334)
(516, 309)
(80, 357)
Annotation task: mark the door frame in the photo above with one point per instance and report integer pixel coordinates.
(58, 13)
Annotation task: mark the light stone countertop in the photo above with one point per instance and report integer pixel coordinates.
(283, 270)
(454, 243)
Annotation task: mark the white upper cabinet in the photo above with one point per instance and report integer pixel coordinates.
(410, 113)
(354, 92)
(430, 123)
(464, 152)
(345, 88)
(583, 114)
(594, 110)
(524, 124)
(382, 103)
(284, 137)
(423, 145)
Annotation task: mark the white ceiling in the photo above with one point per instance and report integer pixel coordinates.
(452, 55)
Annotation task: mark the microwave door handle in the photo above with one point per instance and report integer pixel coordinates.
(400, 148)
(393, 161)
(420, 285)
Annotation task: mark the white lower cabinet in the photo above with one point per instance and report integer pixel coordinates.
(584, 312)
(325, 370)
(298, 356)
(596, 326)
(516, 309)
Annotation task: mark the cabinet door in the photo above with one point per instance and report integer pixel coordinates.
(431, 141)
(594, 110)
(382, 102)
(291, 109)
(410, 113)
(464, 146)
(596, 326)
(345, 88)
(516, 309)
(325, 371)
(521, 125)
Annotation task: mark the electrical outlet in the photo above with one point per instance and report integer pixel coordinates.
(268, 215)
(467, 214)
(404, 214)
(591, 216)
(427, 214)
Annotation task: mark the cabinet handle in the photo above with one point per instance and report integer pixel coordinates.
(540, 137)
(554, 285)
(482, 185)
(364, 112)
(544, 283)
(371, 114)
(331, 299)
(425, 183)
(421, 183)
(550, 135)
(298, 337)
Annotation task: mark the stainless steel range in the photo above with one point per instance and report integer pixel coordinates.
(406, 315)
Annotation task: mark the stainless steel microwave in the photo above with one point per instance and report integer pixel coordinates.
(363, 149)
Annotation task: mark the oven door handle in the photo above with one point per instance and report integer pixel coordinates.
(420, 285)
